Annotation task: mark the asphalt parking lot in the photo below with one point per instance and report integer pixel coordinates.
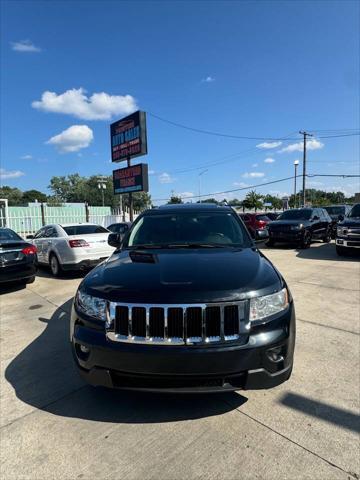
(53, 426)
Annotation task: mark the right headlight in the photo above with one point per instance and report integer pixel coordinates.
(268, 305)
(92, 306)
(341, 230)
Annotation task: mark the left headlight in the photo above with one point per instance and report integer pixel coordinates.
(342, 231)
(268, 305)
(92, 306)
(297, 227)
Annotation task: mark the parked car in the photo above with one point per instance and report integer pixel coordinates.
(185, 303)
(72, 246)
(17, 258)
(273, 215)
(256, 224)
(348, 231)
(301, 226)
(335, 212)
(121, 227)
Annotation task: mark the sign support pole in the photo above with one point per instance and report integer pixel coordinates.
(131, 206)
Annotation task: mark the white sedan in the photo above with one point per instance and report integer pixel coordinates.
(74, 246)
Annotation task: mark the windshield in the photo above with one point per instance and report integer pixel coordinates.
(355, 211)
(84, 229)
(184, 229)
(335, 210)
(301, 214)
(7, 234)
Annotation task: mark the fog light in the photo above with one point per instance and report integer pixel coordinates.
(275, 354)
(84, 349)
(340, 242)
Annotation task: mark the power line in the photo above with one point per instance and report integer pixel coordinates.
(246, 137)
(249, 187)
(216, 134)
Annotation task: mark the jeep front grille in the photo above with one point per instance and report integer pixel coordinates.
(177, 324)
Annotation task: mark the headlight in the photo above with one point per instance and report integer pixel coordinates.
(296, 227)
(262, 307)
(341, 231)
(92, 306)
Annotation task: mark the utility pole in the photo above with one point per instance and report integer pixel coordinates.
(200, 174)
(305, 134)
(131, 204)
(296, 164)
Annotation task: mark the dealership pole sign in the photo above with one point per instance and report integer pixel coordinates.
(131, 179)
(128, 137)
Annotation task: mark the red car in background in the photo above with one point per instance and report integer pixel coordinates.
(256, 224)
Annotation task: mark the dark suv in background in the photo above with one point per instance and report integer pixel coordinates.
(301, 226)
(186, 303)
(348, 232)
(336, 212)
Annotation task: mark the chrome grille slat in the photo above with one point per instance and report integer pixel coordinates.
(214, 323)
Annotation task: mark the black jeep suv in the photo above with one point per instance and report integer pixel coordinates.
(348, 232)
(186, 303)
(301, 226)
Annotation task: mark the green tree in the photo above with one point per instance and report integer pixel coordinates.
(175, 199)
(253, 200)
(276, 202)
(13, 195)
(33, 196)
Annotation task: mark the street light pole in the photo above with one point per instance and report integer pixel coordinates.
(296, 163)
(305, 134)
(200, 174)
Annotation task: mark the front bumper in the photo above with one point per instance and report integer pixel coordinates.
(288, 236)
(83, 264)
(187, 368)
(342, 242)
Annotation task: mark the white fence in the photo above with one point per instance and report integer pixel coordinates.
(27, 220)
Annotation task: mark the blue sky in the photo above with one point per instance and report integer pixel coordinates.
(261, 69)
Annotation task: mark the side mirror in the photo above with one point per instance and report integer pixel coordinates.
(341, 218)
(29, 237)
(115, 239)
(315, 218)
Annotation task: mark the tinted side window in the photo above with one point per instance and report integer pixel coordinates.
(40, 233)
(51, 232)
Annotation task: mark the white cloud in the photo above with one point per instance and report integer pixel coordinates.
(313, 183)
(254, 165)
(166, 178)
(26, 157)
(253, 175)
(269, 160)
(269, 145)
(208, 79)
(312, 144)
(7, 174)
(98, 106)
(240, 184)
(24, 46)
(279, 193)
(186, 195)
(151, 172)
(72, 139)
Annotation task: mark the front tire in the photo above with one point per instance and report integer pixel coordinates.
(306, 240)
(327, 238)
(55, 266)
(30, 280)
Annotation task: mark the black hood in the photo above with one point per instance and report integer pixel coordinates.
(350, 222)
(183, 276)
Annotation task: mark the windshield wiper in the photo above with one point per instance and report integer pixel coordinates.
(200, 245)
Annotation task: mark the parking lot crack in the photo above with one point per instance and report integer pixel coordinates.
(328, 286)
(328, 326)
(351, 474)
(43, 407)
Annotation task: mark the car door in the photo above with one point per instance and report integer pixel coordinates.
(48, 241)
(38, 242)
(315, 223)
